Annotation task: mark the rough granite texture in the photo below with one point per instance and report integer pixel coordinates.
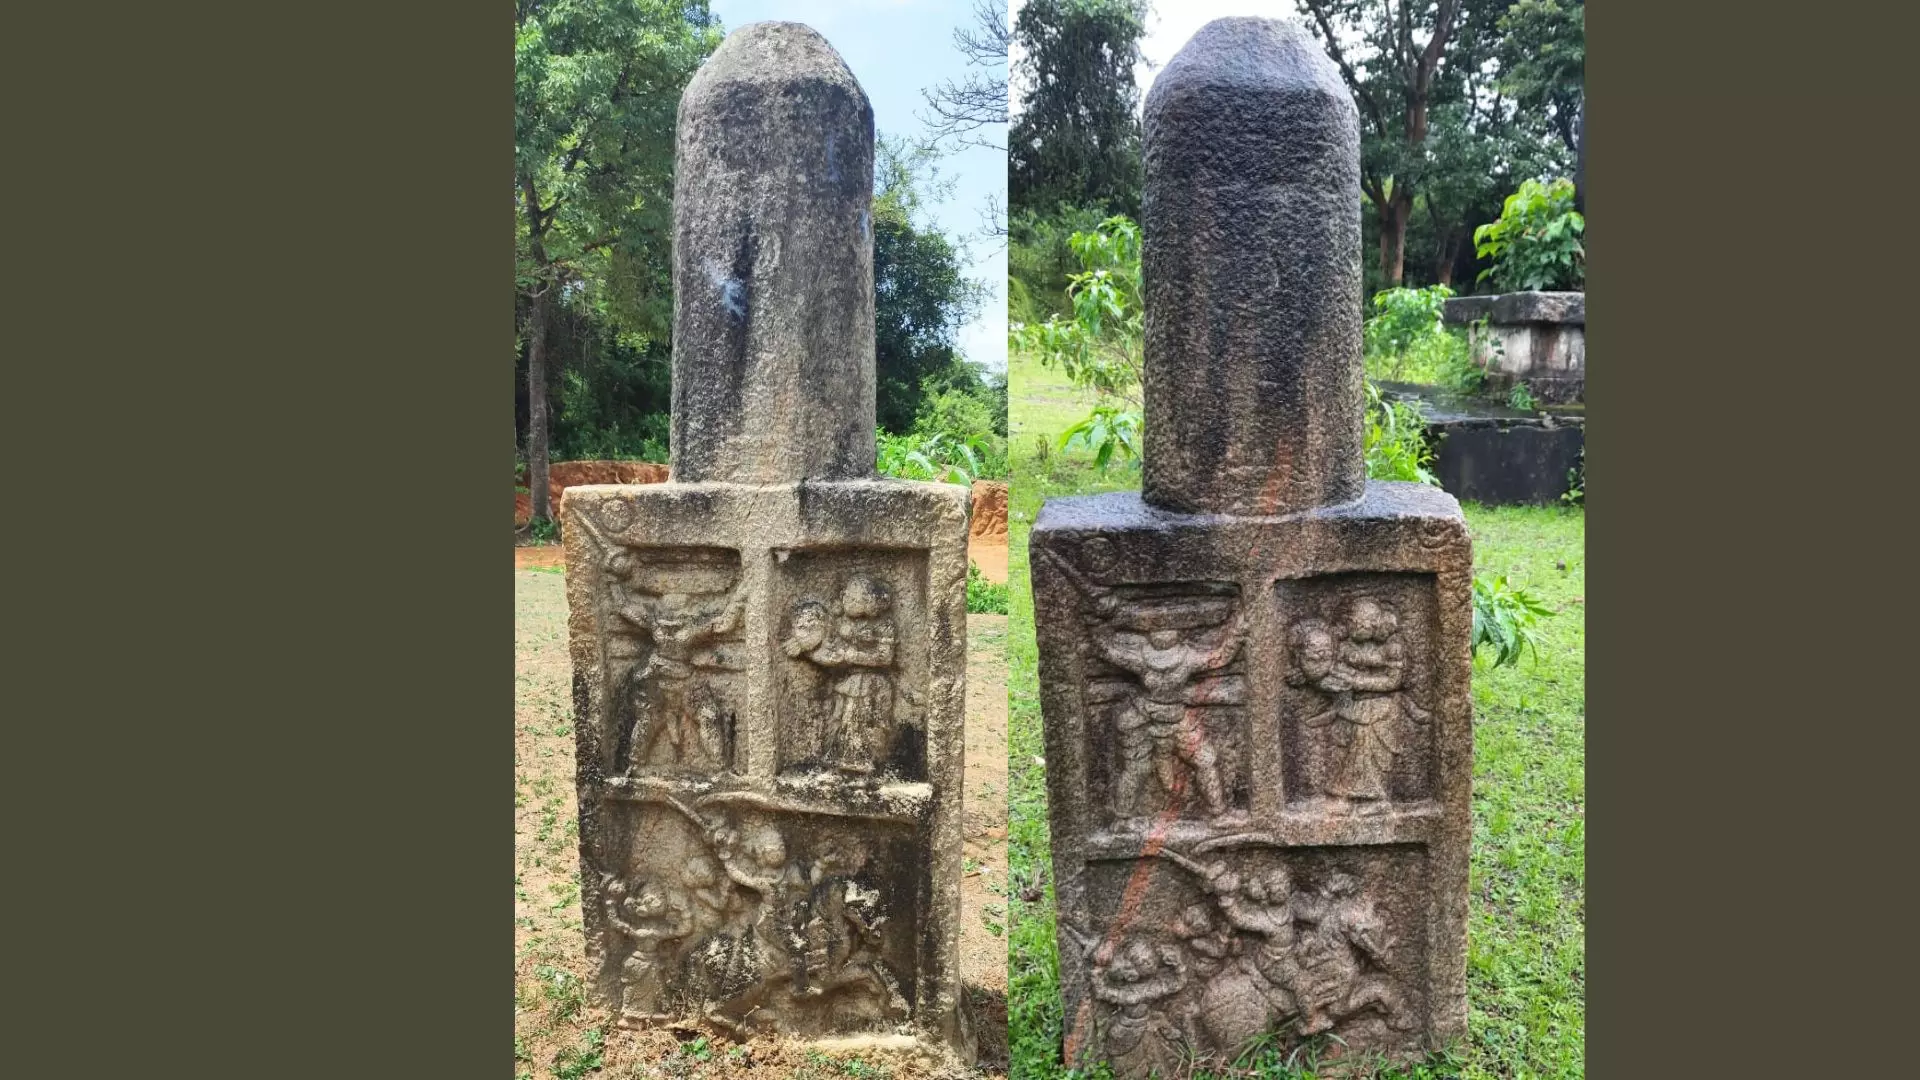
(1252, 276)
(1258, 719)
(773, 376)
(769, 672)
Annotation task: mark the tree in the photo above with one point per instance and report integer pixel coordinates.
(1077, 139)
(973, 111)
(1391, 55)
(921, 293)
(597, 84)
(963, 110)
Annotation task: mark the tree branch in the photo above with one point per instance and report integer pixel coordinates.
(1346, 69)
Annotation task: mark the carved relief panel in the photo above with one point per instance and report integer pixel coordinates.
(754, 915)
(673, 619)
(1356, 722)
(1209, 950)
(851, 662)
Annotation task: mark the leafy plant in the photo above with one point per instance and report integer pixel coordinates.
(1099, 345)
(1576, 493)
(1396, 445)
(1106, 430)
(984, 597)
(1403, 318)
(1520, 397)
(543, 531)
(1537, 242)
(938, 456)
(1504, 617)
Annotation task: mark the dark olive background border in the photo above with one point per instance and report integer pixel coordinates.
(259, 749)
(1746, 296)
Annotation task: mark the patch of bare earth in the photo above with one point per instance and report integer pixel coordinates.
(560, 1034)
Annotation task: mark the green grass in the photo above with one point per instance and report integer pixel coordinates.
(1527, 926)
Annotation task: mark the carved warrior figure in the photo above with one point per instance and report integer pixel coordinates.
(672, 702)
(1363, 671)
(1341, 958)
(1161, 727)
(855, 641)
(1141, 1038)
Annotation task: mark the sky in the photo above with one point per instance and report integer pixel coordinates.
(896, 48)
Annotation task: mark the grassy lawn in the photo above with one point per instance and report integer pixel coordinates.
(1526, 937)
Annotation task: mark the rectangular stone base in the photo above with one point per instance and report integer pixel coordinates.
(1259, 754)
(769, 695)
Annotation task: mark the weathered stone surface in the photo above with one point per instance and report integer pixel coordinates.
(1462, 310)
(1569, 308)
(562, 475)
(1252, 279)
(1258, 719)
(769, 667)
(773, 264)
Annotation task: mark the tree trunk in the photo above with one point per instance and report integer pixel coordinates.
(1449, 254)
(1393, 238)
(537, 404)
(1580, 160)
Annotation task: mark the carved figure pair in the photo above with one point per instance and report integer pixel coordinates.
(1363, 669)
(855, 640)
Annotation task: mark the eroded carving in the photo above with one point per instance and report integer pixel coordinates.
(735, 924)
(852, 640)
(683, 604)
(1170, 655)
(1256, 954)
(1359, 665)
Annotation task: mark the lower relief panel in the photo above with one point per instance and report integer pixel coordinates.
(746, 918)
(1197, 956)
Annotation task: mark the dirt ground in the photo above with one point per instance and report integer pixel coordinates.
(990, 557)
(560, 1034)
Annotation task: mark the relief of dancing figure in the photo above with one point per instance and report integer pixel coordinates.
(1363, 671)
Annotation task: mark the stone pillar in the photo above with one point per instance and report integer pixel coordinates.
(1255, 675)
(773, 264)
(769, 649)
(1252, 276)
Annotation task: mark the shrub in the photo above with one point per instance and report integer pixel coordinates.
(1407, 341)
(984, 597)
(916, 456)
(1537, 242)
(1396, 445)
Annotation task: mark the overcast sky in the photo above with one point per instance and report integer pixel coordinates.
(896, 48)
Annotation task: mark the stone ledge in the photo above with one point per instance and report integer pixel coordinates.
(1508, 309)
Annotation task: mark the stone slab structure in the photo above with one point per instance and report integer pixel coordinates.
(1539, 338)
(1255, 673)
(769, 649)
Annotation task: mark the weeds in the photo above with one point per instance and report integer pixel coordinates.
(984, 597)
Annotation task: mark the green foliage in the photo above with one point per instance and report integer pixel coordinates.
(1099, 344)
(984, 597)
(575, 1062)
(1107, 430)
(543, 531)
(1536, 243)
(1576, 493)
(1504, 617)
(1041, 258)
(1396, 443)
(1520, 397)
(1543, 60)
(917, 456)
(921, 293)
(1403, 318)
(1076, 140)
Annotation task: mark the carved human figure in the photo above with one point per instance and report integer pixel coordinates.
(1343, 959)
(1257, 992)
(855, 641)
(671, 702)
(1159, 728)
(839, 923)
(1142, 1039)
(654, 918)
(1363, 670)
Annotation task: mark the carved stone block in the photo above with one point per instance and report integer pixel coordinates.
(769, 723)
(1281, 706)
